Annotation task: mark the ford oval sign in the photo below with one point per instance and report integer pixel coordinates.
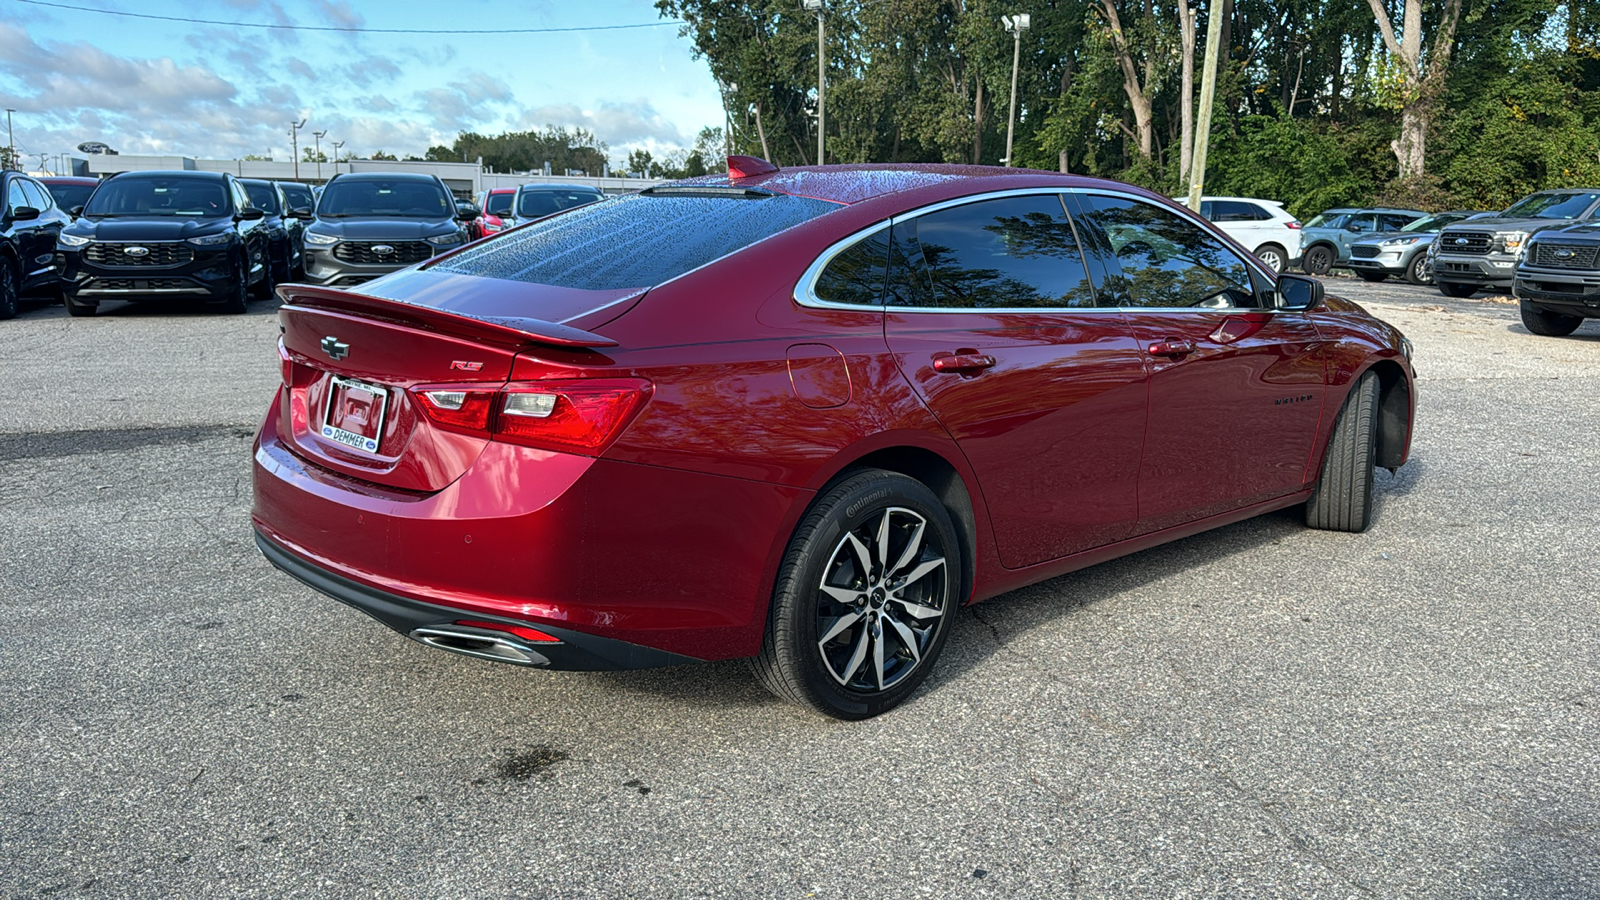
(1461, 242)
(382, 249)
(136, 251)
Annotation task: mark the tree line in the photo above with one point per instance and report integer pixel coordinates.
(1431, 103)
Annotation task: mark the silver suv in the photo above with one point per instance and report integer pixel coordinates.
(1480, 254)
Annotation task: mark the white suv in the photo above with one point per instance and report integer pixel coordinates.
(1262, 226)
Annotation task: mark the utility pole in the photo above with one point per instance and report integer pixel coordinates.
(11, 142)
(822, 80)
(336, 146)
(1208, 89)
(318, 135)
(1015, 25)
(294, 141)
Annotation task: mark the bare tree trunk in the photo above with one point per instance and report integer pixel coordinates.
(1144, 127)
(1186, 27)
(1063, 161)
(766, 154)
(977, 121)
(1421, 85)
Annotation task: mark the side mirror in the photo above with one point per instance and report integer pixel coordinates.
(75, 212)
(302, 212)
(250, 213)
(1298, 292)
(24, 214)
(466, 212)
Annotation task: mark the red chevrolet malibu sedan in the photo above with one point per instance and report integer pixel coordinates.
(803, 416)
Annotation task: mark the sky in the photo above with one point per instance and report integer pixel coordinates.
(210, 91)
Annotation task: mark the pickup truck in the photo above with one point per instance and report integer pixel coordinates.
(1482, 253)
(1558, 279)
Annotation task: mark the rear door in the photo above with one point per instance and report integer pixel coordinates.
(1236, 388)
(991, 316)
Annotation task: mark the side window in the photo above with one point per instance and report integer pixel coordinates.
(1365, 223)
(1235, 211)
(1208, 209)
(14, 196)
(855, 276)
(1006, 253)
(1166, 260)
(38, 197)
(1257, 213)
(1392, 222)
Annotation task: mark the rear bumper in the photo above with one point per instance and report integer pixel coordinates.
(574, 650)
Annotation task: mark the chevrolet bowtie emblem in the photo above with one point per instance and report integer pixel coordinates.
(335, 348)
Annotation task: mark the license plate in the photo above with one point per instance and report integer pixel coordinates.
(354, 414)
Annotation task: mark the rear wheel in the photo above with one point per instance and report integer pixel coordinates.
(1456, 289)
(1274, 256)
(1369, 275)
(10, 291)
(1547, 323)
(1318, 260)
(1342, 500)
(864, 598)
(1415, 271)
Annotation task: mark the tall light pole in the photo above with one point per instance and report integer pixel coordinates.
(294, 141)
(1015, 25)
(318, 135)
(822, 80)
(336, 146)
(11, 141)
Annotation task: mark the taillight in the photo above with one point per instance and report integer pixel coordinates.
(572, 415)
(294, 374)
(1293, 224)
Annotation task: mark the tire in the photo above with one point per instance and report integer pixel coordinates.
(883, 638)
(76, 309)
(1342, 499)
(1414, 270)
(238, 299)
(1457, 290)
(1276, 258)
(10, 290)
(282, 265)
(1547, 323)
(263, 288)
(1368, 275)
(1318, 260)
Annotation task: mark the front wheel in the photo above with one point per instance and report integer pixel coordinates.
(864, 598)
(10, 292)
(1318, 261)
(238, 299)
(1547, 323)
(1342, 500)
(1417, 271)
(77, 308)
(1457, 290)
(1369, 275)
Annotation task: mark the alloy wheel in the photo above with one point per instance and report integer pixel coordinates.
(882, 595)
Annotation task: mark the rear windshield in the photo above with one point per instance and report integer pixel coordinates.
(498, 204)
(179, 197)
(262, 197)
(298, 195)
(70, 195)
(538, 204)
(389, 199)
(633, 241)
(1551, 206)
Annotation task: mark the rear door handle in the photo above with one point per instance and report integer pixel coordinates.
(1172, 348)
(962, 363)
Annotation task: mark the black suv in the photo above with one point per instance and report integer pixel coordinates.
(29, 223)
(372, 223)
(284, 226)
(1482, 253)
(166, 235)
(1558, 279)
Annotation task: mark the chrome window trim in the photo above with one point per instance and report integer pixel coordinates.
(805, 289)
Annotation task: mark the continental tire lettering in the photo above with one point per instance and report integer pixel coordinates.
(851, 510)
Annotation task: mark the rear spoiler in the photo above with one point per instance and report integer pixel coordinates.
(512, 331)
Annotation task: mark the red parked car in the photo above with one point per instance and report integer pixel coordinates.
(803, 416)
(495, 205)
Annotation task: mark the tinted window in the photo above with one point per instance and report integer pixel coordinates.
(855, 276)
(1165, 260)
(1237, 211)
(401, 199)
(1552, 206)
(70, 195)
(262, 196)
(635, 240)
(160, 196)
(537, 204)
(1008, 253)
(38, 197)
(298, 196)
(1395, 221)
(14, 196)
(498, 204)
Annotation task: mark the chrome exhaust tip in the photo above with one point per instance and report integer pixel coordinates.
(480, 643)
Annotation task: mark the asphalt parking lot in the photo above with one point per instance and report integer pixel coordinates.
(1260, 711)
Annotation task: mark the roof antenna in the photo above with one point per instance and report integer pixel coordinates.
(748, 167)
